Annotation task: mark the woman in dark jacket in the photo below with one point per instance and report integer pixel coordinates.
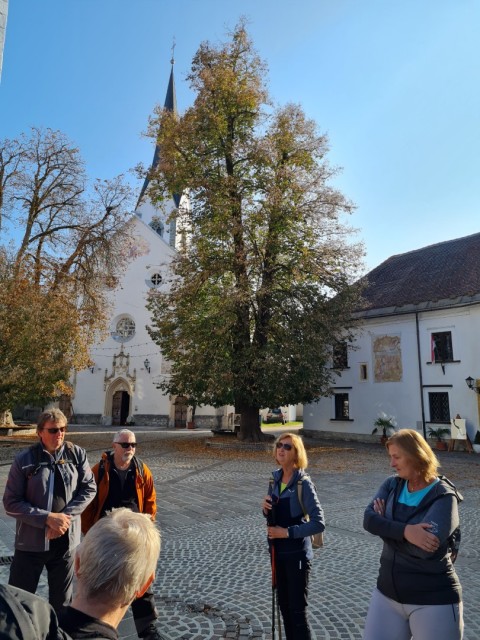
(418, 593)
(293, 514)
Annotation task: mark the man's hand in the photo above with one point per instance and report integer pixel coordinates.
(50, 534)
(58, 523)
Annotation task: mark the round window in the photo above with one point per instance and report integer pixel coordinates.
(125, 329)
(156, 279)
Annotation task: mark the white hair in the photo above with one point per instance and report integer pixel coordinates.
(118, 556)
(122, 432)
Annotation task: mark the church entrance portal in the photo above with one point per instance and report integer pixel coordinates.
(181, 412)
(120, 407)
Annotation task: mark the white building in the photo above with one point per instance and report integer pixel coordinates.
(3, 28)
(417, 343)
(121, 387)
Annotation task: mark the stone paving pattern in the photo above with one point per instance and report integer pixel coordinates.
(213, 577)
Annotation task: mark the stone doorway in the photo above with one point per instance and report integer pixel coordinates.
(181, 408)
(120, 408)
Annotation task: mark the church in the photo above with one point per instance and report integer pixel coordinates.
(121, 386)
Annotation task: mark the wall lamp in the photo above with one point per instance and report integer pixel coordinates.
(471, 384)
(146, 364)
(92, 368)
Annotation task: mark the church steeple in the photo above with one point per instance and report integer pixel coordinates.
(171, 97)
(170, 105)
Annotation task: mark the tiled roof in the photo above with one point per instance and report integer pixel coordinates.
(441, 272)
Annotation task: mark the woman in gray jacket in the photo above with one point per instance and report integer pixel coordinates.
(418, 593)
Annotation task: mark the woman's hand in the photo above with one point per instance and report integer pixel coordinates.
(420, 536)
(277, 532)
(379, 506)
(267, 504)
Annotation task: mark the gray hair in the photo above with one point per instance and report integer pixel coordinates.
(118, 556)
(52, 415)
(122, 432)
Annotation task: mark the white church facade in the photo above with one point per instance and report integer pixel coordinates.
(121, 387)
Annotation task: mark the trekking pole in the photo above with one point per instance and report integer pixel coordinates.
(274, 589)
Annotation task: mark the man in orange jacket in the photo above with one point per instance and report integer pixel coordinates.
(123, 480)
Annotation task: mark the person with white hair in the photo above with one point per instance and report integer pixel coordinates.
(114, 565)
(123, 480)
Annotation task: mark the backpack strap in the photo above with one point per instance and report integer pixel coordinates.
(299, 494)
(139, 466)
(101, 467)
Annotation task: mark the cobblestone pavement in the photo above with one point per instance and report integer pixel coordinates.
(213, 577)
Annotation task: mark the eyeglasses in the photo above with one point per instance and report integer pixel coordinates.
(127, 445)
(284, 445)
(56, 430)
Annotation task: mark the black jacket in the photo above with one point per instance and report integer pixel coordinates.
(25, 616)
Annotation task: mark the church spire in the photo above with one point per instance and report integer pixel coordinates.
(170, 105)
(171, 97)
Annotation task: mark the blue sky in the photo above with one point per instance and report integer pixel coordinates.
(394, 83)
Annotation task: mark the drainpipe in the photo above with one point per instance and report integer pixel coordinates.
(420, 376)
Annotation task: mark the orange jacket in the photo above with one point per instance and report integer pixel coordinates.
(145, 493)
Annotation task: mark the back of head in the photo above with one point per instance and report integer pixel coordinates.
(24, 615)
(118, 556)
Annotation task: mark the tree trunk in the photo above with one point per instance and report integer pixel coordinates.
(6, 419)
(250, 430)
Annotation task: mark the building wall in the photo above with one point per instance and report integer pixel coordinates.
(388, 348)
(151, 255)
(3, 28)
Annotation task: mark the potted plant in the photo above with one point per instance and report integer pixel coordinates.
(476, 442)
(438, 433)
(387, 424)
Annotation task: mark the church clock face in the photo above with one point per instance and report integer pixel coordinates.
(124, 330)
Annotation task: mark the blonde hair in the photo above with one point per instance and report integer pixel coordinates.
(301, 460)
(418, 450)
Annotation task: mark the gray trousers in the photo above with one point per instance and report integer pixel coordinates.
(391, 620)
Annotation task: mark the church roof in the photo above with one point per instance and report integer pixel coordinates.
(441, 275)
(170, 105)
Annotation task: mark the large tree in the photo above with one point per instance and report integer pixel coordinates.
(63, 243)
(263, 287)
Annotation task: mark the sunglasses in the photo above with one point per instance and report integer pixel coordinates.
(56, 430)
(284, 445)
(127, 445)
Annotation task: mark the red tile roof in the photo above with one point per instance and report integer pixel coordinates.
(435, 276)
